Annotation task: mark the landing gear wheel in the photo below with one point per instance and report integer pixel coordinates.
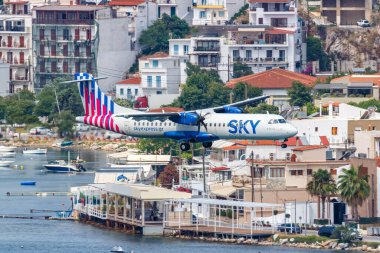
(207, 144)
(184, 146)
(283, 145)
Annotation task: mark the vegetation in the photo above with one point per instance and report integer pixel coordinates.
(241, 12)
(344, 234)
(323, 186)
(156, 146)
(354, 188)
(263, 108)
(304, 239)
(169, 176)
(241, 69)
(156, 37)
(65, 122)
(123, 102)
(315, 52)
(366, 104)
(299, 94)
(241, 89)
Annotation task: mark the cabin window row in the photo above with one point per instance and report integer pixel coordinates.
(170, 124)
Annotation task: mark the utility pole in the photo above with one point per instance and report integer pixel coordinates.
(204, 172)
(245, 91)
(228, 67)
(261, 192)
(252, 185)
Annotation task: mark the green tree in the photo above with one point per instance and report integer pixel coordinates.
(354, 188)
(169, 176)
(156, 37)
(311, 108)
(46, 104)
(123, 102)
(366, 104)
(65, 122)
(19, 108)
(299, 94)
(315, 52)
(263, 108)
(156, 146)
(241, 69)
(322, 186)
(241, 88)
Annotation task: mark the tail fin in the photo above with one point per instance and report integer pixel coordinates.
(95, 102)
(98, 107)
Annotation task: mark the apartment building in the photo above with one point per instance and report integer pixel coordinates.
(129, 88)
(160, 74)
(16, 44)
(346, 12)
(214, 12)
(179, 8)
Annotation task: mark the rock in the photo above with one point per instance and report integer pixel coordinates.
(364, 247)
(326, 243)
(240, 240)
(275, 236)
(342, 245)
(283, 241)
(333, 245)
(291, 240)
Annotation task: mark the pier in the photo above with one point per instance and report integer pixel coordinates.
(38, 194)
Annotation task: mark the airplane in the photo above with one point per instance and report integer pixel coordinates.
(203, 125)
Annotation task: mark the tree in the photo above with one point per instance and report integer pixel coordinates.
(169, 175)
(19, 108)
(366, 104)
(354, 188)
(315, 52)
(123, 102)
(155, 146)
(322, 186)
(240, 69)
(65, 122)
(46, 104)
(156, 37)
(299, 94)
(241, 88)
(263, 108)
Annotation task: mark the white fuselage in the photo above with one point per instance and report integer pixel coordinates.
(222, 125)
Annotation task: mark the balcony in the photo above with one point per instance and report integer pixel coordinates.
(166, 2)
(266, 60)
(207, 49)
(12, 29)
(63, 22)
(273, 7)
(208, 65)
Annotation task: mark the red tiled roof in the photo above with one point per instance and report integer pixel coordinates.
(220, 169)
(234, 147)
(375, 79)
(311, 147)
(291, 142)
(166, 109)
(126, 2)
(155, 55)
(132, 80)
(274, 79)
(335, 104)
(324, 140)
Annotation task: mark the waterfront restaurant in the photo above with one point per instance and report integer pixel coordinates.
(135, 206)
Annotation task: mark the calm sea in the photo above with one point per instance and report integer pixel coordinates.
(40, 236)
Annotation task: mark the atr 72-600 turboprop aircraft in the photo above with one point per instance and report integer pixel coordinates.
(205, 126)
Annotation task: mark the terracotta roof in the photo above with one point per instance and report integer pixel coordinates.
(335, 104)
(311, 147)
(166, 109)
(133, 80)
(126, 2)
(155, 55)
(291, 142)
(274, 79)
(324, 140)
(234, 147)
(375, 79)
(279, 31)
(269, 1)
(220, 169)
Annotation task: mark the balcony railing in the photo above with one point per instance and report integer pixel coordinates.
(41, 21)
(203, 49)
(166, 1)
(208, 65)
(13, 29)
(260, 60)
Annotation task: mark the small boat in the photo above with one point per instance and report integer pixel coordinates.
(28, 183)
(66, 143)
(63, 166)
(5, 163)
(7, 149)
(117, 249)
(7, 154)
(38, 151)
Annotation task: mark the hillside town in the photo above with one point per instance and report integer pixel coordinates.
(313, 64)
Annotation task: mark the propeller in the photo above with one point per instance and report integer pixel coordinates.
(200, 121)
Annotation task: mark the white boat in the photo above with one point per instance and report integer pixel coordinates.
(7, 154)
(63, 166)
(7, 149)
(117, 249)
(39, 151)
(5, 163)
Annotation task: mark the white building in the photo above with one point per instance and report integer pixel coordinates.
(129, 88)
(179, 8)
(4, 78)
(16, 44)
(160, 74)
(214, 12)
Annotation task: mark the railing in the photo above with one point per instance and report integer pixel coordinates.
(166, 1)
(208, 65)
(64, 21)
(13, 29)
(260, 60)
(206, 49)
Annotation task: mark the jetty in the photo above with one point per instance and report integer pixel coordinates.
(38, 194)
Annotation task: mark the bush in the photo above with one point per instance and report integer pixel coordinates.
(343, 234)
(321, 221)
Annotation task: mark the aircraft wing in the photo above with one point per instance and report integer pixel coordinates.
(173, 115)
(240, 103)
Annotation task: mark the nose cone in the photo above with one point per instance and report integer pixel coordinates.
(292, 130)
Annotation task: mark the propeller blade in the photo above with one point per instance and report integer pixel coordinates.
(205, 126)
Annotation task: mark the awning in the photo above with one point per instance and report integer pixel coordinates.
(327, 86)
(225, 191)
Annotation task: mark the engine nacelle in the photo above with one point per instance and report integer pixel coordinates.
(185, 118)
(231, 109)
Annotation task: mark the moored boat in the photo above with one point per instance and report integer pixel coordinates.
(39, 151)
(63, 166)
(28, 183)
(5, 163)
(7, 149)
(117, 249)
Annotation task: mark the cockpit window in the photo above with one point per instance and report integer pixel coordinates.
(275, 121)
(270, 121)
(282, 121)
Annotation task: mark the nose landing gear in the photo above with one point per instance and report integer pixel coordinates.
(283, 144)
(184, 146)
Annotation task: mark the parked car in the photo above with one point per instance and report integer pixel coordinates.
(326, 231)
(290, 228)
(39, 130)
(363, 23)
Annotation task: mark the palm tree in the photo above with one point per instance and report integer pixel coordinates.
(354, 188)
(323, 186)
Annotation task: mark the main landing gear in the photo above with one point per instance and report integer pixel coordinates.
(284, 145)
(185, 146)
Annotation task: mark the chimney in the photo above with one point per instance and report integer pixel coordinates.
(330, 109)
